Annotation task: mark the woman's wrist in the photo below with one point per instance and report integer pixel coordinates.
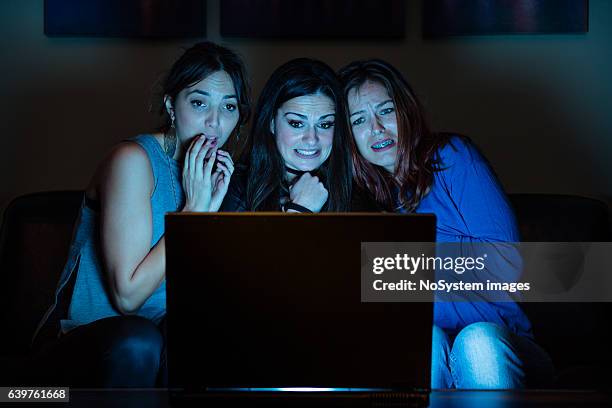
(290, 206)
(214, 207)
(190, 208)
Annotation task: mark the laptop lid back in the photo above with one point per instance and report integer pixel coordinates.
(269, 300)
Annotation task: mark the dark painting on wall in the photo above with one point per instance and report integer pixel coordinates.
(474, 17)
(126, 18)
(313, 18)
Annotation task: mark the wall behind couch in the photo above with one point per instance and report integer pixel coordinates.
(538, 105)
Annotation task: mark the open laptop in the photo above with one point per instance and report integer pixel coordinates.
(266, 308)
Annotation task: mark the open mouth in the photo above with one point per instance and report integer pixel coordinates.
(383, 145)
(307, 153)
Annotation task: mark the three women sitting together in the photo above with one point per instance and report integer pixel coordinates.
(319, 141)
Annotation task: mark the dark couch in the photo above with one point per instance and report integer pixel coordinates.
(37, 229)
(574, 334)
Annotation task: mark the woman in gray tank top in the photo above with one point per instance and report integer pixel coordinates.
(106, 326)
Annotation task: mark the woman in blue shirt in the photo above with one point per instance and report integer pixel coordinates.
(404, 167)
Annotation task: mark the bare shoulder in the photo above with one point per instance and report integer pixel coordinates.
(127, 154)
(127, 165)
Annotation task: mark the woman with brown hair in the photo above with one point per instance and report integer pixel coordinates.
(405, 167)
(106, 326)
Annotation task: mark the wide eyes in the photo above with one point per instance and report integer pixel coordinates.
(196, 103)
(200, 104)
(297, 124)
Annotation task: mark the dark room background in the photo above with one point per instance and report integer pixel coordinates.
(539, 106)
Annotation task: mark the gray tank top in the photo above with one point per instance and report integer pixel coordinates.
(90, 300)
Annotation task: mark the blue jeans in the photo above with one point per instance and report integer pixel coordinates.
(487, 356)
(114, 352)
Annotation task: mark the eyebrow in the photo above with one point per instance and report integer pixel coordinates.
(375, 107)
(306, 117)
(197, 91)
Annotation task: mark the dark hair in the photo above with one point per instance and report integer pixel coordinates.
(200, 61)
(417, 146)
(266, 167)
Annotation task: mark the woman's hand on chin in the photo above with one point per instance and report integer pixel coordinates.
(197, 175)
(309, 192)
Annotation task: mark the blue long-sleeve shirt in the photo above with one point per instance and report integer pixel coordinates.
(471, 206)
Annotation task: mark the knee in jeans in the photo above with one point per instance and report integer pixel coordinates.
(482, 338)
(483, 356)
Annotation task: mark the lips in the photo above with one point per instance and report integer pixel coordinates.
(212, 139)
(307, 153)
(383, 145)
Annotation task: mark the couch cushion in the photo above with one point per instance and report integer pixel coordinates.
(561, 218)
(35, 238)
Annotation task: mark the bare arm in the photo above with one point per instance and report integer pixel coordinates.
(134, 270)
(124, 187)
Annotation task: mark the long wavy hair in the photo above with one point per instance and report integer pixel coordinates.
(266, 167)
(417, 144)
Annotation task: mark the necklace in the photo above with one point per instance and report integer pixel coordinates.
(167, 144)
